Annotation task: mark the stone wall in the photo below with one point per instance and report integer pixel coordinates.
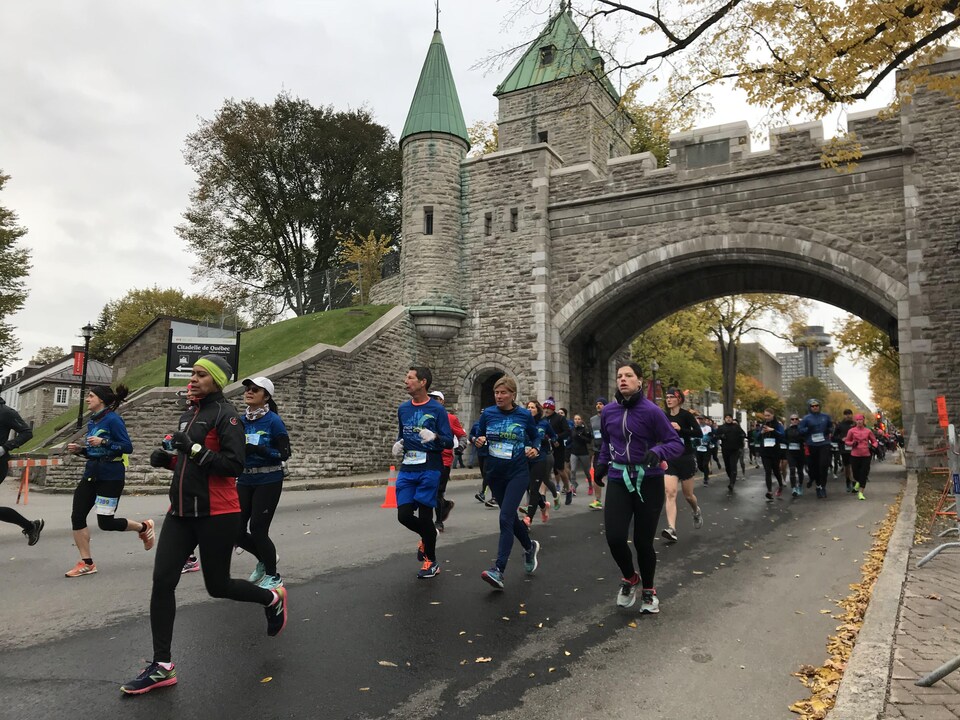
(149, 346)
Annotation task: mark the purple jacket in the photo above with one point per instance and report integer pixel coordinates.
(628, 428)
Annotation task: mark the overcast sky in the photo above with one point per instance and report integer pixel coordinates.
(99, 95)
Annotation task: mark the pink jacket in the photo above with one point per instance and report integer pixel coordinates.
(860, 439)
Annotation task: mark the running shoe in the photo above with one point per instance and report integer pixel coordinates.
(768, 495)
(493, 577)
(480, 498)
(649, 603)
(697, 519)
(447, 507)
(556, 502)
(530, 557)
(849, 487)
(823, 492)
(780, 491)
(627, 594)
(856, 487)
(799, 490)
(795, 492)
(491, 503)
(669, 534)
(259, 572)
(729, 489)
(860, 496)
(569, 498)
(545, 514)
(80, 569)
(596, 505)
(590, 489)
(154, 676)
(147, 535)
(277, 612)
(439, 526)
(270, 582)
(706, 481)
(429, 569)
(33, 532)
(190, 566)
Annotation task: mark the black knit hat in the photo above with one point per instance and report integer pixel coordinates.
(105, 393)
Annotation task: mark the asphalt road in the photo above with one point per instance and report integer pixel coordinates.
(743, 603)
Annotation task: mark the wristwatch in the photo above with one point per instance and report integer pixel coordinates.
(195, 448)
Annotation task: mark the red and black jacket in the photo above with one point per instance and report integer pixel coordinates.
(206, 484)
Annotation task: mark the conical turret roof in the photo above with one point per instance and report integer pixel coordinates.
(436, 106)
(559, 52)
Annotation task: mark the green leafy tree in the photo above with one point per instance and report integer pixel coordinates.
(754, 397)
(801, 390)
(47, 355)
(276, 184)
(120, 320)
(14, 268)
(363, 257)
(682, 349)
(651, 130)
(870, 345)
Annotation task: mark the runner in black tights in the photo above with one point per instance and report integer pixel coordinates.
(205, 512)
(10, 420)
(637, 439)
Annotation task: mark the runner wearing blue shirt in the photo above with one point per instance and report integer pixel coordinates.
(423, 433)
(816, 428)
(511, 438)
(539, 468)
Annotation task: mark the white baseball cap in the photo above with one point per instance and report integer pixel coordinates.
(437, 394)
(260, 382)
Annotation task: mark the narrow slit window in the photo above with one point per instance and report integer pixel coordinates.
(488, 224)
(514, 215)
(542, 136)
(428, 220)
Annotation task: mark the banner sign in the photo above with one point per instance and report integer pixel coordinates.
(78, 363)
(183, 353)
(942, 411)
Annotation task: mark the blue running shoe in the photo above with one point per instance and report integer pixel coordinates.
(153, 677)
(270, 582)
(493, 577)
(429, 570)
(530, 557)
(258, 573)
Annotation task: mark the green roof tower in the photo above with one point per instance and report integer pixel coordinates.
(436, 106)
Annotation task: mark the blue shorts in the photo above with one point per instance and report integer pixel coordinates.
(419, 486)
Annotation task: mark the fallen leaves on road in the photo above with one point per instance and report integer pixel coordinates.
(266, 679)
(934, 596)
(386, 663)
(483, 660)
(698, 572)
(632, 624)
(824, 681)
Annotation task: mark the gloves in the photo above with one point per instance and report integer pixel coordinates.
(160, 458)
(398, 448)
(181, 442)
(650, 459)
(599, 473)
(257, 450)
(427, 435)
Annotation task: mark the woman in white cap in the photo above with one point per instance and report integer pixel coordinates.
(259, 487)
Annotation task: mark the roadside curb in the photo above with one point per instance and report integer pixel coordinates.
(863, 690)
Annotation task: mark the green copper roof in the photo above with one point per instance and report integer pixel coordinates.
(435, 107)
(572, 55)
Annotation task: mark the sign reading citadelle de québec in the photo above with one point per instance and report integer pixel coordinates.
(183, 353)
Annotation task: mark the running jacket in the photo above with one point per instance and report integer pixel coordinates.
(580, 441)
(411, 419)
(860, 441)
(689, 431)
(207, 483)
(770, 439)
(267, 445)
(815, 428)
(10, 420)
(840, 432)
(629, 428)
(731, 437)
(794, 439)
(547, 438)
(508, 434)
(458, 432)
(105, 462)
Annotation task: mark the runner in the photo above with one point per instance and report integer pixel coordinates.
(754, 437)
(205, 512)
(105, 448)
(423, 433)
(795, 457)
(10, 421)
(596, 482)
(540, 470)
(703, 448)
(444, 506)
(560, 427)
(861, 441)
(839, 433)
(815, 428)
(481, 454)
(731, 437)
(511, 437)
(771, 435)
(579, 451)
(683, 468)
(636, 440)
(260, 485)
(566, 455)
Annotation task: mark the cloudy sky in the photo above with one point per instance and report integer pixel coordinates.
(98, 96)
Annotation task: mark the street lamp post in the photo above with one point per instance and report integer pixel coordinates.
(87, 332)
(654, 366)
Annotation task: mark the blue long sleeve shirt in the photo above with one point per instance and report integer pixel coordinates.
(508, 434)
(265, 449)
(411, 419)
(816, 429)
(106, 461)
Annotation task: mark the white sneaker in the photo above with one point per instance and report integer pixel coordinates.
(648, 602)
(697, 519)
(627, 595)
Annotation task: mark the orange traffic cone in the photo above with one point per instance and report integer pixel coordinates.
(390, 501)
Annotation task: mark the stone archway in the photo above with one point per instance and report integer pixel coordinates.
(476, 383)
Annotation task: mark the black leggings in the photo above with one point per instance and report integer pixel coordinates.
(9, 515)
(795, 460)
(258, 504)
(730, 464)
(422, 524)
(442, 489)
(861, 469)
(818, 464)
(85, 497)
(771, 466)
(619, 508)
(215, 535)
(539, 473)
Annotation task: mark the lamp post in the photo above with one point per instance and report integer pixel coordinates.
(654, 366)
(87, 332)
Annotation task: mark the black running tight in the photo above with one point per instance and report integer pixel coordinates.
(539, 473)
(771, 466)
(422, 524)
(619, 508)
(258, 504)
(86, 495)
(861, 470)
(215, 536)
(818, 464)
(9, 515)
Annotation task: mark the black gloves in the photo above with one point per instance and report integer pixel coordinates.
(650, 459)
(181, 442)
(599, 473)
(160, 458)
(257, 450)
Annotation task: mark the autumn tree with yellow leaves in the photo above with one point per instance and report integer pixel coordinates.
(362, 257)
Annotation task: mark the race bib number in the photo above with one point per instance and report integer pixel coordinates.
(106, 505)
(769, 442)
(702, 448)
(596, 435)
(834, 446)
(783, 446)
(793, 446)
(847, 448)
(816, 437)
(414, 457)
(501, 450)
(253, 439)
